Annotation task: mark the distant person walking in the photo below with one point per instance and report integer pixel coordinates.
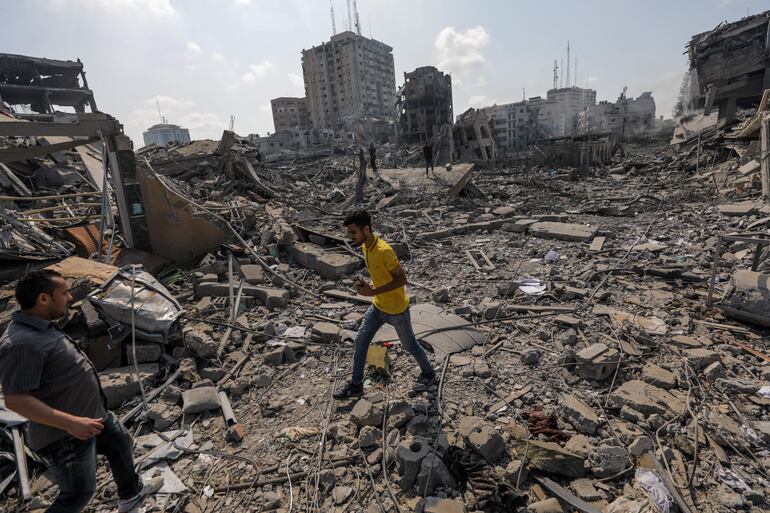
(427, 152)
(373, 156)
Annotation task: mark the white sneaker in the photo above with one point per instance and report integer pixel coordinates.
(148, 488)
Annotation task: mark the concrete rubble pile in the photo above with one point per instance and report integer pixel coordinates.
(615, 354)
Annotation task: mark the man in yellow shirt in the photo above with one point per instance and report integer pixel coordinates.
(390, 305)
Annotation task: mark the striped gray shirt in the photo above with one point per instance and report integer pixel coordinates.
(39, 359)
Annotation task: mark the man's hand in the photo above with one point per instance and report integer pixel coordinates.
(363, 288)
(84, 428)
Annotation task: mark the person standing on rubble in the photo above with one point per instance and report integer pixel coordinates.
(48, 380)
(373, 157)
(427, 152)
(391, 305)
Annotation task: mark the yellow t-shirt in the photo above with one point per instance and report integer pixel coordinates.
(380, 261)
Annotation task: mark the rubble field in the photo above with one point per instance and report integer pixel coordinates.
(585, 357)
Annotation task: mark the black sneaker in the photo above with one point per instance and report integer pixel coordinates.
(424, 382)
(348, 391)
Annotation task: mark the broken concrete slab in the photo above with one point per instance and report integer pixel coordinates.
(119, 385)
(563, 231)
(365, 413)
(597, 362)
(550, 457)
(409, 456)
(579, 414)
(646, 399)
(658, 376)
(742, 208)
(199, 400)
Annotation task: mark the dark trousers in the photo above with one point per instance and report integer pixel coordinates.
(428, 163)
(373, 162)
(73, 463)
(373, 321)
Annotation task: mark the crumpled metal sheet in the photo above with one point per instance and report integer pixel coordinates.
(156, 309)
(427, 317)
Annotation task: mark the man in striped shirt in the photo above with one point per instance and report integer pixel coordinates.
(48, 380)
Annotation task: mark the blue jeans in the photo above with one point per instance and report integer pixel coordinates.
(73, 463)
(372, 321)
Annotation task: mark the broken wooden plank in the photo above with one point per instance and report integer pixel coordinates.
(564, 495)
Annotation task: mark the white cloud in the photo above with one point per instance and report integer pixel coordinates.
(592, 79)
(256, 71)
(193, 50)
(204, 122)
(460, 53)
(169, 101)
(218, 56)
(155, 7)
(480, 101)
(243, 2)
(296, 80)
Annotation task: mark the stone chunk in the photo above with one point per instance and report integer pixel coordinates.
(550, 457)
(584, 488)
(198, 340)
(658, 376)
(579, 414)
(483, 438)
(369, 436)
(198, 400)
(341, 494)
(365, 413)
(120, 384)
(433, 474)
(563, 231)
(253, 274)
(551, 505)
(596, 362)
(700, 358)
(608, 461)
(325, 332)
(640, 446)
(409, 456)
(163, 414)
(742, 208)
(334, 266)
(646, 398)
(399, 413)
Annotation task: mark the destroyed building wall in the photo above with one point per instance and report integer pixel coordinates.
(289, 113)
(43, 84)
(626, 117)
(729, 66)
(424, 104)
(473, 136)
(165, 133)
(350, 75)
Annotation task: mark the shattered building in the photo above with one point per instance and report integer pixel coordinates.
(568, 102)
(290, 113)
(473, 135)
(626, 117)
(165, 133)
(43, 84)
(424, 104)
(350, 75)
(729, 67)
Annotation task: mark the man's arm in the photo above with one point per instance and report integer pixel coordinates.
(398, 280)
(37, 411)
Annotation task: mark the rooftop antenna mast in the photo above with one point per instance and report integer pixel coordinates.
(358, 23)
(232, 122)
(334, 25)
(350, 18)
(561, 77)
(576, 75)
(568, 63)
(555, 74)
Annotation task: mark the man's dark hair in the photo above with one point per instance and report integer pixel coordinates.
(360, 219)
(34, 284)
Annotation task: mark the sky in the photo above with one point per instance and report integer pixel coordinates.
(203, 61)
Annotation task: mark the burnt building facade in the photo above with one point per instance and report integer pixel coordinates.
(424, 104)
